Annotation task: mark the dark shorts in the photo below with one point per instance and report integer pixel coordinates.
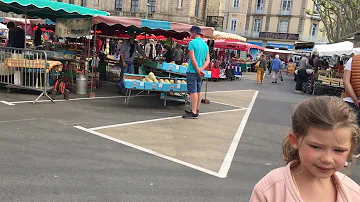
(194, 82)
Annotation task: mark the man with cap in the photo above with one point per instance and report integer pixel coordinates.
(199, 59)
(128, 52)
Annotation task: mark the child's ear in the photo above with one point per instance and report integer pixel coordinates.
(294, 141)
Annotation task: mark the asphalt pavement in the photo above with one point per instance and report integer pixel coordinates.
(45, 158)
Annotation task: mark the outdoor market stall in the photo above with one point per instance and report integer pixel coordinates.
(285, 55)
(166, 78)
(34, 75)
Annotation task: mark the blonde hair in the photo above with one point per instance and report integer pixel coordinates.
(324, 112)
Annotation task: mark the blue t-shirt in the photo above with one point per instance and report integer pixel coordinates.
(276, 65)
(201, 50)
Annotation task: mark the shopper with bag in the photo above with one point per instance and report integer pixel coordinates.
(260, 69)
(275, 68)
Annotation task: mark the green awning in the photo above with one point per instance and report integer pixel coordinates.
(48, 9)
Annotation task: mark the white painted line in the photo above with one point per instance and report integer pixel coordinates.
(150, 151)
(76, 99)
(234, 144)
(228, 91)
(7, 103)
(227, 104)
(160, 119)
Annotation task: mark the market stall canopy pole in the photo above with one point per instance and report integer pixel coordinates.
(48, 9)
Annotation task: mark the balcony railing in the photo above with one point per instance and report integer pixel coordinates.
(284, 12)
(259, 11)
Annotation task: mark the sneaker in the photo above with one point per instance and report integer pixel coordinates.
(275, 81)
(298, 91)
(272, 82)
(190, 112)
(190, 116)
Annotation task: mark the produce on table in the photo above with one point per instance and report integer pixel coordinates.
(172, 81)
(185, 64)
(152, 76)
(167, 81)
(161, 81)
(183, 82)
(148, 79)
(178, 81)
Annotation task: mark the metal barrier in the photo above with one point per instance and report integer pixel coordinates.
(25, 69)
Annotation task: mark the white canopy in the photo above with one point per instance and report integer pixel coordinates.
(278, 51)
(342, 48)
(3, 27)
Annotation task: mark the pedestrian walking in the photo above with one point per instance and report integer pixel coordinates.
(199, 59)
(261, 69)
(323, 137)
(275, 68)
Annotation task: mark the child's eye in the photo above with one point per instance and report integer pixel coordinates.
(339, 151)
(315, 147)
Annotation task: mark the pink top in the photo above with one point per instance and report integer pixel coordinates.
(278, 185)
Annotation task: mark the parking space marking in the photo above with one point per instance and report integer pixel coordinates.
(19, 120)
(226, 163)
(150, 151)
(160, 119)
(73, 99)
(231, 152)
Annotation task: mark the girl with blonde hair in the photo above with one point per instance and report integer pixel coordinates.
(324, 136)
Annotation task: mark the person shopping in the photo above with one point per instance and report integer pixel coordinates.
(128, 52)
(324, 136)
(261, 69)
(199, 59)
(275, 68)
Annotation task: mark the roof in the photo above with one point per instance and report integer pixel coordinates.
(48, 9)
(224, 35)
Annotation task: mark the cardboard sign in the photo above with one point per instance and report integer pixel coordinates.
(75, 27)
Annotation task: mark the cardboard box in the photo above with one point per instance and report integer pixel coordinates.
(133, 81)
(153, 86)
(182, 69)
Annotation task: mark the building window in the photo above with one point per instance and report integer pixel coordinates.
(314, 29)
(286, 5)
(151, 6)
(180, 3)
(233, 25)
(134, 6)
(197, 8)
(283, 26)
(118, 5)
(259, 4)
(71, 1)
(84, 3)
(257, 25)
(236, 3)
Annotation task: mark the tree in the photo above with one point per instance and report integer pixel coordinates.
(341, 18)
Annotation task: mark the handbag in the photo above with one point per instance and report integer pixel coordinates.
(257, 65)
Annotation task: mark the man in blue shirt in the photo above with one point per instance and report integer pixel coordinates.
(199, 59)
(275, 68)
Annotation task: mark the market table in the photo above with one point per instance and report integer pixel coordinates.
(33, 64)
